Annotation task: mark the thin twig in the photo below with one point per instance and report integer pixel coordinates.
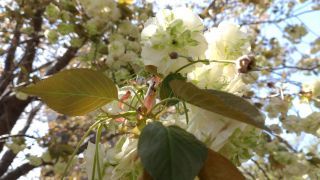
(276, 20)
(286, 143)
(262, 170)
(5, 137)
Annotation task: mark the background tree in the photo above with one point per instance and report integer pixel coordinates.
(41, 37)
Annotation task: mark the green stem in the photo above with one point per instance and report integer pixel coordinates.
(94, 167)
(138, 97)
(205, 62)
(125, 114)
(127, 104)
(191, 63)
(97, 158)
(163, 101)
(186, 111)
(78, 146)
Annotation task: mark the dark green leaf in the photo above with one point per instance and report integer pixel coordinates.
(74, 91)
(170, 153)
(219, 102)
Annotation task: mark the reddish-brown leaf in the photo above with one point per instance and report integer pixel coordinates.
(124, 98)
(217, 167)
(146, 176)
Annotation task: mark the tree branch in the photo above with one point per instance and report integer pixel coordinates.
(6, 160)
(11, 109)
(6, 76)
(276, 20)
(205, 12)
(4, 138)
(261, 169)
(18, 172)
(31, 48)
(9, 155)
(63, 61)
(289, 67)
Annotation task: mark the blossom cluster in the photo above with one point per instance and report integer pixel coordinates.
(181, 31)
(174, 41)
(100, 12)
(309, 124)
(312, 87)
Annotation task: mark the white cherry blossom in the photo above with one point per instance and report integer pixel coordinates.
(180, 31)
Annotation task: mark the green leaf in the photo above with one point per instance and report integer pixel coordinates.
(170, 153)
(165, 89)
(219, 102)
(74, 91)
(34, 160)
(65, 29)
(77, 42)
(52, 36)
(52, 12)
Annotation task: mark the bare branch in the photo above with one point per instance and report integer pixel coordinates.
(277, 20)
(63, 61)
(11, 109)
(6, 161)
(293, 67)
(4, 138)
(20, 171)
(261, 169)
(9, 155)
(205, 12)
(31, 116)
(6, 76)
(286, 143)
(31, 49)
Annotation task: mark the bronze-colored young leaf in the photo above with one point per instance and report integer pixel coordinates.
(170, 153)
(146, 176)
(74, 92)
(165, 89)
(217, 167)
(219, 102)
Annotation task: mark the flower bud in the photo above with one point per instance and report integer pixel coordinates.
(245, 63)
(174, 55)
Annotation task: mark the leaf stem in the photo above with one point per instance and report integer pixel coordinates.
(94, 167)
(163, 101)
(134, 108)
(189, 64)
(98, 137)
(186, 111)
(78, 146)
(202, 61)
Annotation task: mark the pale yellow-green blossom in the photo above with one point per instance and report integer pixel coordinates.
(211, 128)
(309, 124)
(313, 87)
(89, 158)
(178, 30)
(226, 42)
(276, 106)
(101, 10)
(116, 163)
